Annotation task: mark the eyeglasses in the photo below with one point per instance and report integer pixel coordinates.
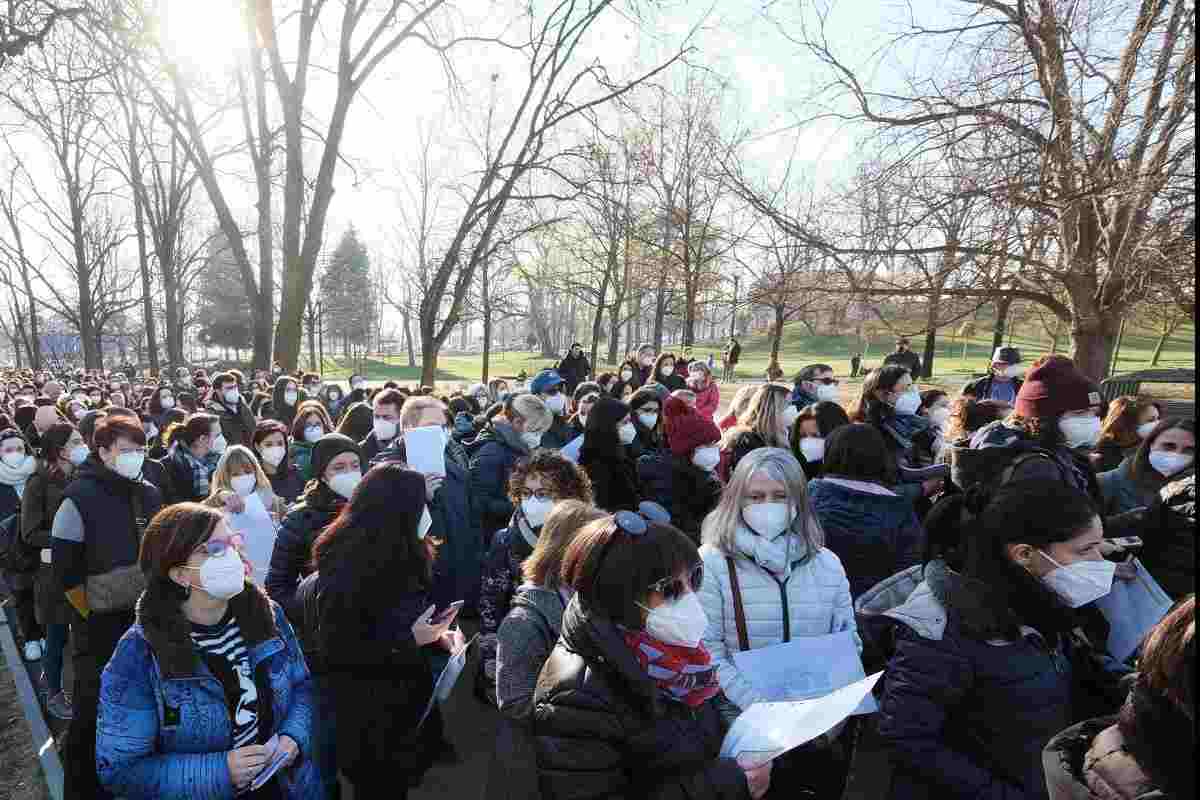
(826, 381)
(217, 547)
(672, 587)
(540, 494)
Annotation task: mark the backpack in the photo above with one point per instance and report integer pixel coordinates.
(15, 555)
(991, 467)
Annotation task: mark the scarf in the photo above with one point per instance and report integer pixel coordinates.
(16, 477)
(201, 470)
(684, 673)
(903, 428)
(774, 555)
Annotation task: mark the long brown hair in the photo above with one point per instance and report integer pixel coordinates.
(1121, 424)
(169, 541)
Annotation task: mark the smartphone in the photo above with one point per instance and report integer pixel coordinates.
(1128, 542)
(441, 616)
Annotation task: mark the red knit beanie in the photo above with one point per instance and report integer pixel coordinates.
(1054, 386)
(685, 428)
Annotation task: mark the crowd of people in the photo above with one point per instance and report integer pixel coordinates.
(619, 543)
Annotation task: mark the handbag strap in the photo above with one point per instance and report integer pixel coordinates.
(739, 612)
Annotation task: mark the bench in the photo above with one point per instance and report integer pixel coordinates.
(1130, 383)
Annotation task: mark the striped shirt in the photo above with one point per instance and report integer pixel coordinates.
(224, 640)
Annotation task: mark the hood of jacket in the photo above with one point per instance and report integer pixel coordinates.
(853, 509)
(168, 631)
(503, 433)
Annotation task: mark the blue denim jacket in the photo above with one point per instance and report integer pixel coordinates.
(164, 729)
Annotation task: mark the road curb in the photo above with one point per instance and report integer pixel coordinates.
(31, 707)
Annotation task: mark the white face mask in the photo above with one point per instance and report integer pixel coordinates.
(1167, 464)
(828, 392)
(424, 524)
(289, 397)
(789, 416)
(535, 510)
(812, 448)
(232, 396)
(385, 429)
(78, 454)
(626, 375)
(344, 483)
(219, 444)
(939, 415)
(1080, 431)
(647, 361)
(151, 432)
(129, 465)
(1014, 370)
(768, 519)
(583, 420)
(313, 432)
(335, 396)
(166, 401)
(14, 458)
(223, 576)
(707, 458)
(1082, 582)
(680, 622)
(244, 485)
(667, 370)
(273, 455)
(556, 403)
(648, 420)
(531, 439)
(1146, 428)
(627, 433)
(908, 403)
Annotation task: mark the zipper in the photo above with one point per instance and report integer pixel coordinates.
(787, 614)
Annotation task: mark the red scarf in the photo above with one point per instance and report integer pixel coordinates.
(685, 673)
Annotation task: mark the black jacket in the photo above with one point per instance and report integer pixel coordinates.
(292, 556)
(494, 453)
(1168, 531)
(615, 484)
(574, 371)
(741, 445)
(288, 484)
(603, 730)
(686, 491)
(981, 388)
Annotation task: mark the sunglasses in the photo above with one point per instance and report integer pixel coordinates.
(673, 588)
(217, 547)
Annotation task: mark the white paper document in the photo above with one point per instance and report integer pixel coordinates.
(258, 529)
(1132, 608)
(445, 682)
(768, 730)
(278, 754)
(804, 668)
(425, 450)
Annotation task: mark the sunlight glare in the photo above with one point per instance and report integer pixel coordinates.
(202, 35)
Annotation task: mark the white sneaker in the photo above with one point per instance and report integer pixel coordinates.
(33, 650)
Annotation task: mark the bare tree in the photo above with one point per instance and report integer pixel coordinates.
(26, 23)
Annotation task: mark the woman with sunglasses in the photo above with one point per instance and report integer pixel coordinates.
(623, 706)
(209, 685)
(768, 579)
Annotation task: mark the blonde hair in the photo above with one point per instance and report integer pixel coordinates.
(762, 416)
(566, 519)
(741, 399)
(235, 457)
(721, 525)
(415, 404)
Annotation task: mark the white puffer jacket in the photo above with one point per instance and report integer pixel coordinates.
(818, 602)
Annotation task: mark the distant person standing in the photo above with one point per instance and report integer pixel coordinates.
(1004, 380)
(905, 357)
(575, 368)
(732, 353)
(855, 364)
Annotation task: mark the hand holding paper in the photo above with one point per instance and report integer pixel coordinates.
(425, 450)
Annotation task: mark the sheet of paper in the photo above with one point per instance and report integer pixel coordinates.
(258, 529)
(275, 763)
(425, 450)
(1132, 608)
(449, 677)
(804, 668)
(767, 730)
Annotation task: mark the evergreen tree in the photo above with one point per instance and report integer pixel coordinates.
(224, 315)
(348, 294)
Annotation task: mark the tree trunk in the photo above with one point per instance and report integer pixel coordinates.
(1168, 328)
(777, 335)
(408, 339)
(1093, 338)
(429, 356)
(312, 339)
(660, 312)
(487, 345)
(1002, 306)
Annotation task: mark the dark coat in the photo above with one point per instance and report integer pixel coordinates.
(493, 454)
(180, 487)
(372, 447)
(40, 500)
(559, 433)
(574, 371)
(287, 482)
(615, 484)
(236, 423)
(1168, 531)
(981, 388)
(603, 730)
(874, 535)
(291, 559)
(686, 491)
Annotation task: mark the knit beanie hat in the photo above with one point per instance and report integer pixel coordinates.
(686, 429)
(1055, 385)
(329, 447)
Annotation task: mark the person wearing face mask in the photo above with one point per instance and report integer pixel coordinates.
(337, 465)
(582, 399)
(872, 529)
(890, 403)
(271, 447)
(94, 542)
(17, 465)
(683, 479)
(768, 580)
(708, 394)
(813, 384)
(1168, 450)
(1128, 422)
(210, 672)
(386, 423)
(935, 407)
(507, 438)
(574, 368)
(237, 477)
(903, 356)
(195, 447)
(664, 373)
(644, 365)
(63, 451)
(551, 388)
(606, 459)
(810, 431)
(628, 376)
(989, 657)
(535, 486)
(310, 424)
(1052, 424)
(285, 400)
(228, 405)
(368, 615)
(625, 700)
(332, 398)
(766, 422)
(645, 406)
(1003, 381)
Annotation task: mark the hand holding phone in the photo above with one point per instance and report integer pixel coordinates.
(447, 613)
